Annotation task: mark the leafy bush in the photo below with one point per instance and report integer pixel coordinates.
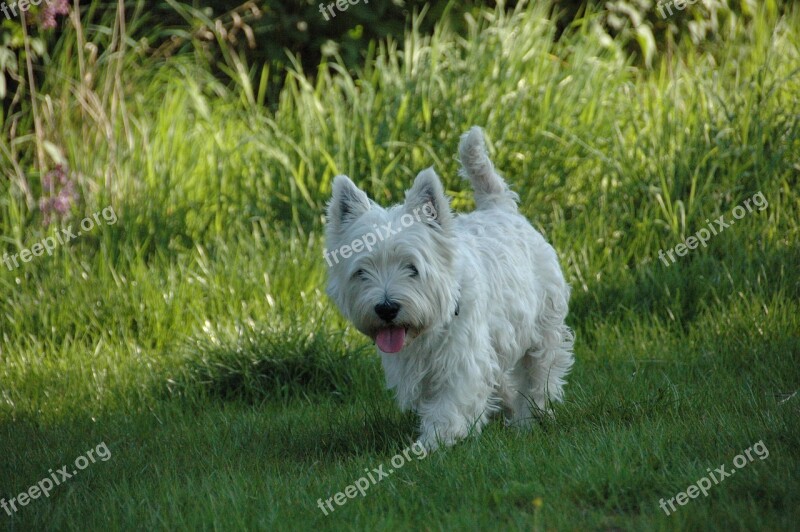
(649, 26)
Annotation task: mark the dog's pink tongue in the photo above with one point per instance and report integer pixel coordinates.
(391, 340)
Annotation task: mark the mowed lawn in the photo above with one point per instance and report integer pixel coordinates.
(181, 368)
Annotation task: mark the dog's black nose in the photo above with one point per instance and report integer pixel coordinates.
(387, 311)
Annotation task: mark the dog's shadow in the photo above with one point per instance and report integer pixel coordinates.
(354, 430)
(344, 408)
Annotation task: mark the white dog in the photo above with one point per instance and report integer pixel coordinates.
(467, 311)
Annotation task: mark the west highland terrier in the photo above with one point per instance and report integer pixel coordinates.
(467, 311)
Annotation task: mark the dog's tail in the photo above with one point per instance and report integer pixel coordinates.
(491, 191)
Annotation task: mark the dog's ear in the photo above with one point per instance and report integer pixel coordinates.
(348, 202)
(426, 198)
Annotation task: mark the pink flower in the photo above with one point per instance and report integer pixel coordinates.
(53, 8)
(61, 204)
(56, 175)
(57, 181)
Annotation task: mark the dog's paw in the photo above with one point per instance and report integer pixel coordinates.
(432, 441)
(426, 444)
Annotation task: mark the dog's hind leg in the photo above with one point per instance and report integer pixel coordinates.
(548, 366)
(537, 380)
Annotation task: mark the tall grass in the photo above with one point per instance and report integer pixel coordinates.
(612, 162)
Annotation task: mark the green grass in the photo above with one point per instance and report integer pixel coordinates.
(194, 338)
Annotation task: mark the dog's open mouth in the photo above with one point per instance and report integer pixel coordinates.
(391, 339)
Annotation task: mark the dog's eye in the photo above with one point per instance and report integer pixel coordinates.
(360, 274)
(413, 269)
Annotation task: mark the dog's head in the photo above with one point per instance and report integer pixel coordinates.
(391, 270)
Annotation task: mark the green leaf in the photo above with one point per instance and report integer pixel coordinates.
(54, 152)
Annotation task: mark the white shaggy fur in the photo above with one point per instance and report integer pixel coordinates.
(480, 297)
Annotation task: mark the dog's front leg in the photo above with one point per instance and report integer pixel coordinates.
(451, 415)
